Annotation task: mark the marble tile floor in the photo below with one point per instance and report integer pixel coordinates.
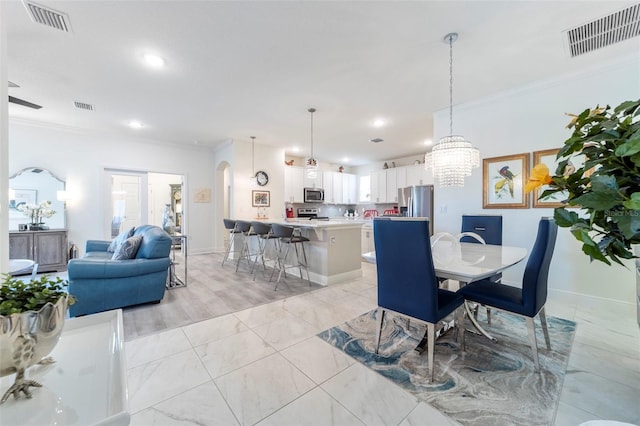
(264, 365)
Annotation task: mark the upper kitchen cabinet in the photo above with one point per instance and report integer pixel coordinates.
(417, 175)
(293, 184)
(349, 188)
(313, 183)
(379, 186)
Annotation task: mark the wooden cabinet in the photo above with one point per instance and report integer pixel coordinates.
(379, 186)
(312, 183)
(47, 248)
(392, 186)
(417, 175)
(293, 184)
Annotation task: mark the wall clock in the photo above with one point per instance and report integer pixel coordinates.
(262, 178)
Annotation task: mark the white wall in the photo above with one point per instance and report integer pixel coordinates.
(531, 119)
(237, 154)
(79, 157)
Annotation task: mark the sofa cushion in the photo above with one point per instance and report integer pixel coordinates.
(120, 239)
(128, 249)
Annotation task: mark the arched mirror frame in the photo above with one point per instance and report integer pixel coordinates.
(34, 193)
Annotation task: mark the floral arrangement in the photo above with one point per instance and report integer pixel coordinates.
(37, 212)
(606, 188)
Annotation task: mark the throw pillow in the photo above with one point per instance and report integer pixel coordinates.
(128, 249)
(120, 239)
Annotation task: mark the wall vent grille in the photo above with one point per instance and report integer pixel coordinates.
(613, 28)
(83, 105)
(47, 16)
(376, 140)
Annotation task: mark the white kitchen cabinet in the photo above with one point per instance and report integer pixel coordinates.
(349, 188)
(313, 183)
(293, 184)
(367, 243)
(417, 175)
(401, 178)
(379, 186)
(327, 179)
(337, 188)
(392, 186)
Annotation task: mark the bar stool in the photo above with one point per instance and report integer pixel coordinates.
(246, 231)
(264, 233)
(286, 238)
(230, 225)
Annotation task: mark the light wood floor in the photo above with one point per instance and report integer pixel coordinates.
(212, 290)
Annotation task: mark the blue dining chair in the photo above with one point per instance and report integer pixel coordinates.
(489, 227)
(529, 300)
(407, 283)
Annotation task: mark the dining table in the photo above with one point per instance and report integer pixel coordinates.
(466, 263)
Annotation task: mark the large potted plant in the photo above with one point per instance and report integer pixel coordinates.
(605, 188)
(31, 320)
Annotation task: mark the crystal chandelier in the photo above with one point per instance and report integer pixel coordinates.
(453, 157)
(312, 164)
(252, 180)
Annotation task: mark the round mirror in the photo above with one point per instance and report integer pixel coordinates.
(29, 191)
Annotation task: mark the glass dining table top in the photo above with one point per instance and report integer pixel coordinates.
(468, 262)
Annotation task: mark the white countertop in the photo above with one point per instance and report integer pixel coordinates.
(331, 223)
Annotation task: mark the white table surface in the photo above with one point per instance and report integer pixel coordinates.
(468, 262)
(87, 384)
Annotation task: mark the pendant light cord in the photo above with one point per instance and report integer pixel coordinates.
(450, 85)
(312, 110)
(253, 156)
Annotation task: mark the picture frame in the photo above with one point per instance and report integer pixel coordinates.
(547, 157)
(260, 198)
(503, 180)
(23, 196)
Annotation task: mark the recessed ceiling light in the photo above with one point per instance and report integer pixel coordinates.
(428, 141)
(345, 160)
(295, 149)
(134, 124)
(154, 61)
(379, 122)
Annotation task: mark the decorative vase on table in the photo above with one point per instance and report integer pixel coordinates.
(26, 338)
(168, 222)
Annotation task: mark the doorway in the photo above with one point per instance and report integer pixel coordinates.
(137, 198)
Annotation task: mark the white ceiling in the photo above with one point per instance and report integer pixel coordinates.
(241, 68)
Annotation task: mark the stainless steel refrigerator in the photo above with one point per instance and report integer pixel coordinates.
(417, 201)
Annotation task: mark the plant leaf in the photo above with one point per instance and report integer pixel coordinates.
(628, 223)
(633, 203)
(630, 147)
(564, 218)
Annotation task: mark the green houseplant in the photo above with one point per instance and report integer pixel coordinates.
(31, 320)
(606, 187)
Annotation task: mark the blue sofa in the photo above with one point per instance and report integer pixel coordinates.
(100, 283)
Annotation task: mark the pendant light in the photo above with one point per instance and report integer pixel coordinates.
(312, 163)
(453, 157)
(252, 180)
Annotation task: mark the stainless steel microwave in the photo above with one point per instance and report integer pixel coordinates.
(313, 195)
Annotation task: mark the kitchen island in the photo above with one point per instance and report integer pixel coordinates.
(333, 252)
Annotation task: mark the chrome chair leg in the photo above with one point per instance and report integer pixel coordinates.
(531, 331)
(306, 264)
(461, 329)
(545, 330)
(232, 238)
(381, 313)
(431, 331)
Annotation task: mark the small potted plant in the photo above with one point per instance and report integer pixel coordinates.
(606, 187)
(32, 316)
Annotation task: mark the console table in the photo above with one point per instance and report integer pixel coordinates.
(177, 241)
(46, 248)
(86, 385)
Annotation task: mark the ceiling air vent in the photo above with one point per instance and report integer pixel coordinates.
(47, 16)
(82, 105)
(618, 26)
(376, 140)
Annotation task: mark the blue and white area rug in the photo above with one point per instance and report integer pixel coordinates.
(490, 384)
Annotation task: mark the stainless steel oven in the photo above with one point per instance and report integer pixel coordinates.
(313, 195)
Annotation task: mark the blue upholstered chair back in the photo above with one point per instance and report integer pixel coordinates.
(488, 227)
(536, 273)
(406, 277)
(156, 243)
